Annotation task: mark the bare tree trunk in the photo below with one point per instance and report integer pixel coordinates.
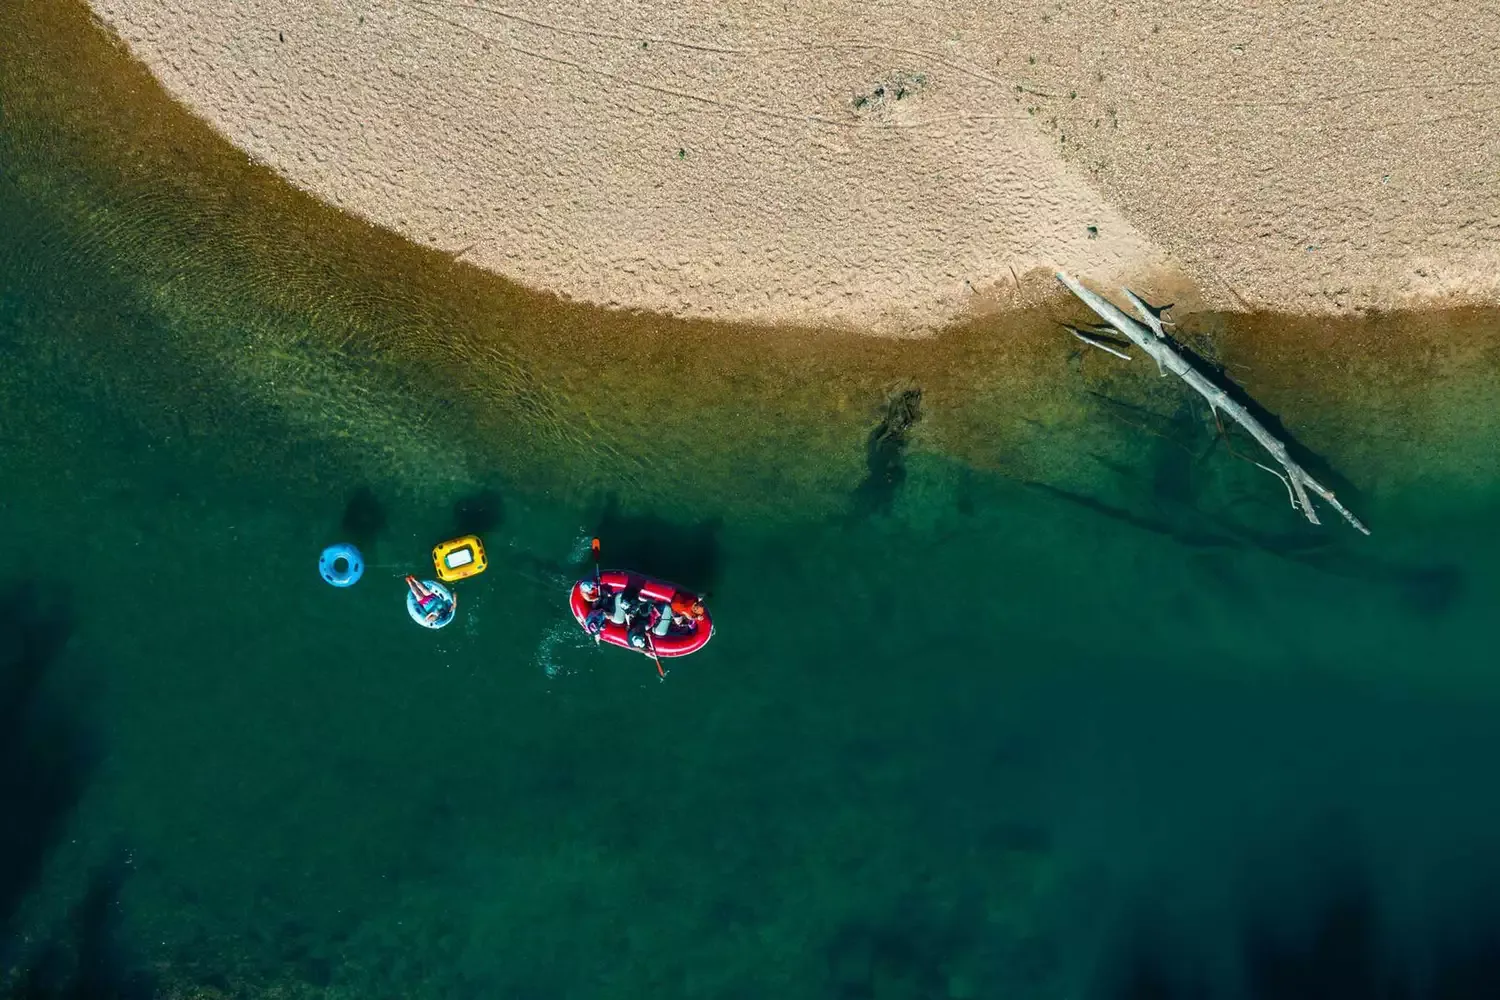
(1151, 339)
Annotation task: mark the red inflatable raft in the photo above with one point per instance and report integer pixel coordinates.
(680, 640)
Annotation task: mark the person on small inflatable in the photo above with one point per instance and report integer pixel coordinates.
(429, 602)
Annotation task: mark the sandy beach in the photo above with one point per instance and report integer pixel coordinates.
(884, 166)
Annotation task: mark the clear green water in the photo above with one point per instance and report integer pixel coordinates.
(1051, 705)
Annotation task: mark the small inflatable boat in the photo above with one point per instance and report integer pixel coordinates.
(459, 559)
(604, 608)
(430, 604)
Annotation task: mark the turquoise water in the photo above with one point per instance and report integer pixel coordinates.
(1131, 732)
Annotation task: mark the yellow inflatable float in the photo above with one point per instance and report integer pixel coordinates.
(459, 559)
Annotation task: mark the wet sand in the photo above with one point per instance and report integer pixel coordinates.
(882, 167)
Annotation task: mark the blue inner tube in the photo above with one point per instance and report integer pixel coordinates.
(341, 565)
(441, 615)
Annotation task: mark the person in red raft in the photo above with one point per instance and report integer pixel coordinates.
(635, 612)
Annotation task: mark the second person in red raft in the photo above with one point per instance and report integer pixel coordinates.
(638, 614)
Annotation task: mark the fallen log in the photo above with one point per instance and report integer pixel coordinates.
(1153, 340)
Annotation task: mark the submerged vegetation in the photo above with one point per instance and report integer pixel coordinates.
(885, 451)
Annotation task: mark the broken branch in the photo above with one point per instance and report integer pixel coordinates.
(1095, 342)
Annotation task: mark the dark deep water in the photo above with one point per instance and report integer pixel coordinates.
(1086, 713)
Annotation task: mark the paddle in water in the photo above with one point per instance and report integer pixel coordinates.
(651, 650)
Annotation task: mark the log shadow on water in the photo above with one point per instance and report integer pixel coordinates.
(885, 452)
(1173, 505)
(686, 554)
(1430, 589)
(1310, 460)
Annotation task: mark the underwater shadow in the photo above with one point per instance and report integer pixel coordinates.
(364, 519)
(905, 953)
(1333, 944)
(47, 757)
(83, 958)
(686, 554)
(479, 513)
(885, 454)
